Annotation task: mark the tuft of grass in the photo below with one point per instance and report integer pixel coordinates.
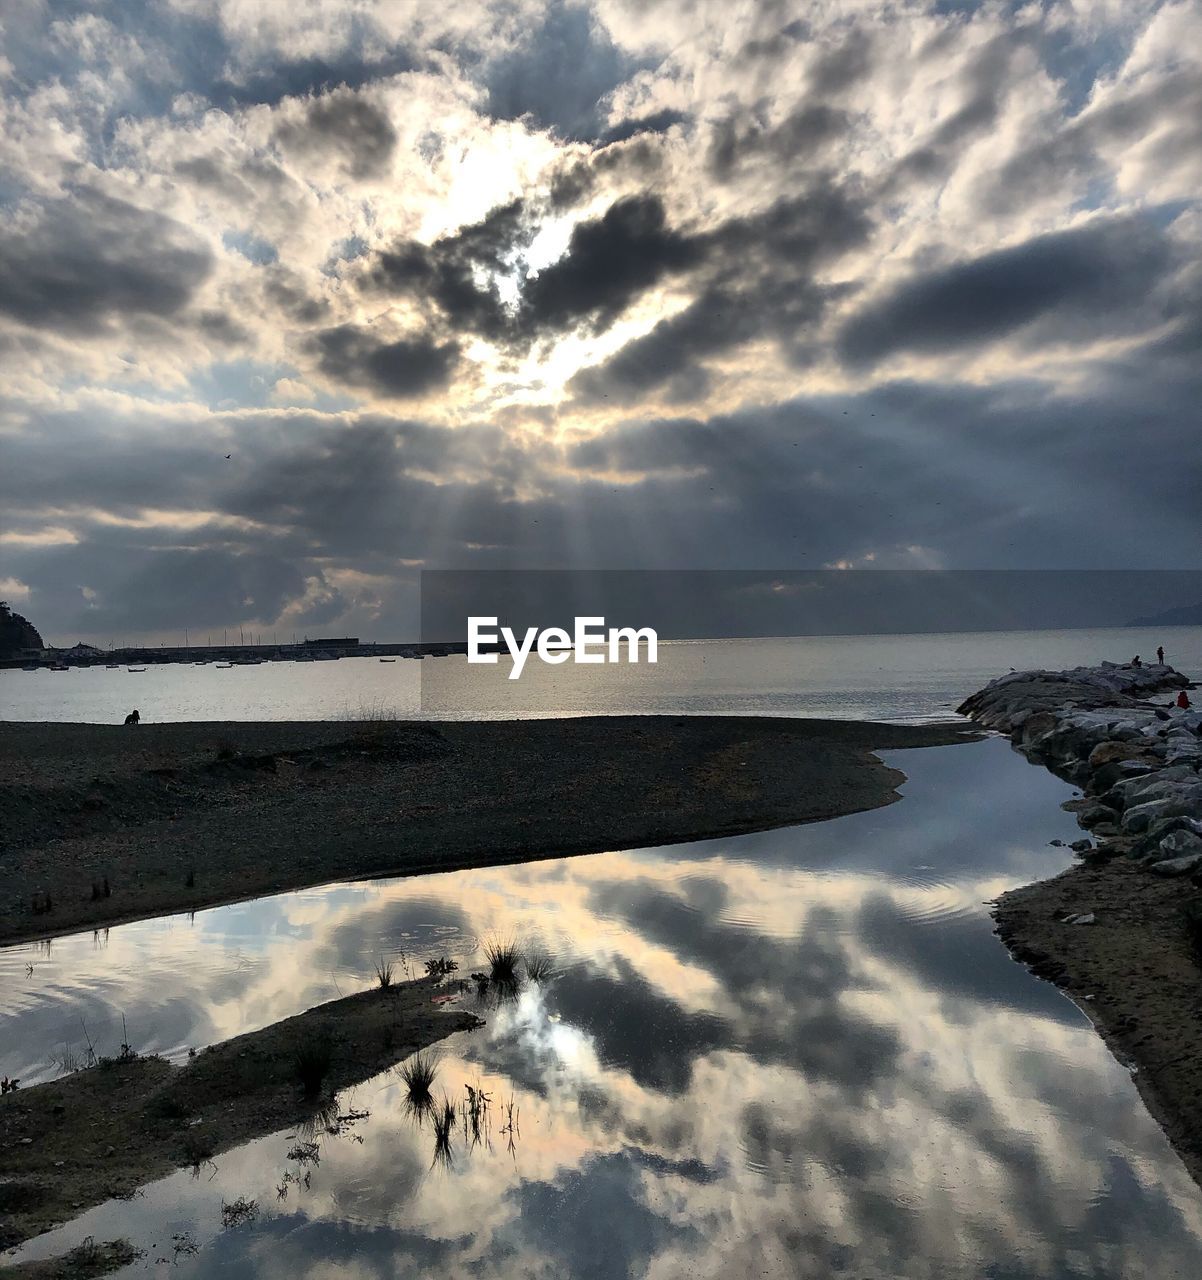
(312, 1065)
(503, 956)
(440, 967)
(417, 1075)
(384, 974)
(539, 964)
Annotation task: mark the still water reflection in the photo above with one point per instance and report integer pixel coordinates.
(794, 1053)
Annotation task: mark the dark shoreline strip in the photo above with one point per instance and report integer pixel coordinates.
(102, 824)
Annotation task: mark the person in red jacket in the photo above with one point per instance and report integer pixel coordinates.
(1183, 700)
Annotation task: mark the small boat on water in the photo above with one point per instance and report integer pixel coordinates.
(112, 666)
(387, 659)
(135, 671)
(59, 666)
(224, 666)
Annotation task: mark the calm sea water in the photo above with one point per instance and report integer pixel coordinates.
(898, 678)
(797, 1053)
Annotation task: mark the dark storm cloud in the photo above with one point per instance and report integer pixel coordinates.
(164, 589)
(446, 274)
(1095, 273)
(760, 283)
(85, 260)
(402, 368)
(558, 74)
(610, 262)
(346, 126)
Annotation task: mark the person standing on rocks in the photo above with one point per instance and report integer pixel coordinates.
(1160, 654)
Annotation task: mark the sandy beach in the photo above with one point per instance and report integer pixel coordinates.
(103, 823)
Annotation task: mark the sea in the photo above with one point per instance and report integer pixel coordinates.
(903, 678)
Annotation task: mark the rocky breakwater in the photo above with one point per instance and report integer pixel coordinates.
(1139, 764)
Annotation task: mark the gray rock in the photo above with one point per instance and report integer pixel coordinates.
(1177, 866)
(1081, 846)
(1181, 844)
(1096, 815)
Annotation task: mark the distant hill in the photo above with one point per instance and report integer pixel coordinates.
(16, 633)
(1186, 615)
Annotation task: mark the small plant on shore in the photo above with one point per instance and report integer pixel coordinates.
(384, 974)
(440, 967)
(503, 956)
(417, 1075)
(312, 1064)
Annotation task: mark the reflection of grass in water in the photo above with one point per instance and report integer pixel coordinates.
(417, 1075)
(444, 1126)
(539, 964)
(475, 1117)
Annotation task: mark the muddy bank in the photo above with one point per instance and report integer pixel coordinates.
(100, 824)
(1118, 932)
(104, 1131)
(1133, 970)
(87, 1260)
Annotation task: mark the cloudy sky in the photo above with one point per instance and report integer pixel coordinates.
(628, 283)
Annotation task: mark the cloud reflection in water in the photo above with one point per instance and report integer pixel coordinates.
(796, 1053)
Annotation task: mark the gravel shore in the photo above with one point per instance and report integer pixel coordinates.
(100, 824)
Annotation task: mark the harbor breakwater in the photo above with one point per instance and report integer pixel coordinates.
(1138, 762)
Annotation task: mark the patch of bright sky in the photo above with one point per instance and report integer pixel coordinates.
(252, 247)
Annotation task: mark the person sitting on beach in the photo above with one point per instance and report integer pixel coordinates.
(1183, 700)
(1135, 662)
(1160, 654)
(133, 717)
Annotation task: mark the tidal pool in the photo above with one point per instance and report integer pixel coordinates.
(796, 1053)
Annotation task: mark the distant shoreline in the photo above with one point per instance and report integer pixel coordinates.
(101, 824)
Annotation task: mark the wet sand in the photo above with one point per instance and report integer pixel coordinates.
(101, 824)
